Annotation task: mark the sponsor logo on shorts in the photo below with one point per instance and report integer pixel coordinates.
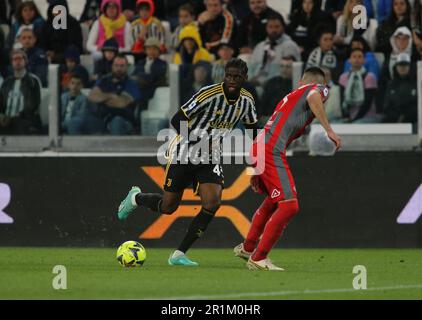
(275, 194)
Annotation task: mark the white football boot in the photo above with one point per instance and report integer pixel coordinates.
(239, 251)
(265, 264)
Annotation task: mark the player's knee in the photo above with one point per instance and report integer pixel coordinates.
(290, 206)
(168, 208)
(212, 204)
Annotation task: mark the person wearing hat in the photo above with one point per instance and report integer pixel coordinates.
(150, 72)
(20, 98)
(401, 94)
(401, 42)
(109, 50)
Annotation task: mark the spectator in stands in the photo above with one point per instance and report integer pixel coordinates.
(400, 102)
(401, 42)
(190, 49)
(304, 25)
(27, 17)
(335, 7)
(325, 55)
(111, 24)
(6, 7)
(109, 50)
(20, 97)
(77, 114)
(71, 66)
(89, 13)
(239, 10)
(358, 91)
(399, 17)
(147, 26)
(186, 17)
(225, 54)
(216, 25)
(267, 54)
(55, 41)
(276, 88)
(252, 30)
(201, 77)
(417, 25)
(345, 30)
(37, 58)
(116, 96)
(150, 72)
(384, 8)
(371, 62)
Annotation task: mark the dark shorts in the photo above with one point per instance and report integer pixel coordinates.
(180, 176)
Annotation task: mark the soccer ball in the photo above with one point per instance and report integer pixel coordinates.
(131, 254)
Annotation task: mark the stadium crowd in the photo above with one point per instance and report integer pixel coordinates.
(130, 43)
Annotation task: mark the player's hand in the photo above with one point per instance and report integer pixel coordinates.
(335, 138)
(255, 184)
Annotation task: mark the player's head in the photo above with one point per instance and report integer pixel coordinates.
(236, 73)
(313, 75)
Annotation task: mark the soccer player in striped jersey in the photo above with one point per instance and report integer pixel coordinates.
(208, 116)
(288, 122)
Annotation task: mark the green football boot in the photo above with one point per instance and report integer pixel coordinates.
(126, 206)
(181, 260)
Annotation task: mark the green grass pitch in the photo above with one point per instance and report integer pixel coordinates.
(27, 273)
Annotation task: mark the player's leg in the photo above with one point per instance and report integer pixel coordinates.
(281, 190)
(210, 194)
(285, 211)
(166, 203)
(259, 220)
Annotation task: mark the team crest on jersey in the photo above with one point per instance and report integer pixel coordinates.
(275, 194)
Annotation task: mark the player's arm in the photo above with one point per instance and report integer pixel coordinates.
(178, 119)
(315, 103)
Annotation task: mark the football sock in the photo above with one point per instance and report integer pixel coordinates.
(260, 218)
(285, 211)
(149, 200)
(197, 227)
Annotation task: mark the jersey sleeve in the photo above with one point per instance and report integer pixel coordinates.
(195, 105)
(321, 90)
(250, 116)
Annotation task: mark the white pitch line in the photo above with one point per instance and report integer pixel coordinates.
(283, 293)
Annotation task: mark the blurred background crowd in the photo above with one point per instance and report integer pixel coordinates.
(115, 55)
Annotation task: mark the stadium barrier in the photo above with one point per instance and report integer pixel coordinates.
(349, 200)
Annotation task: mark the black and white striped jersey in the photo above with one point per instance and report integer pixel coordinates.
(210, 109)
(212, 116)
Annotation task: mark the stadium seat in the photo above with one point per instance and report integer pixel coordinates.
(155, 118)
(167, 33)
(45, 100)
(86, 92)
(245, 57)
(88, 62)
(281, 6)
(85, 34)
(6, 29)
(380, 58)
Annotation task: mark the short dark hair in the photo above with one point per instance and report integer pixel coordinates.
(238, 64)
(121, 56)
(76, 75)
(277, 16)
(187, 7)
(357, 49)
(315, 71)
